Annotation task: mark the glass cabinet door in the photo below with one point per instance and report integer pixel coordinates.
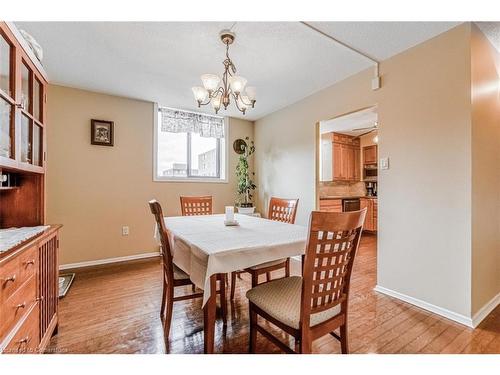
(25, 88)
(5, 66)
(37, 99)
(6, 100)
(25, 139)
(6, 116)
(37, 149)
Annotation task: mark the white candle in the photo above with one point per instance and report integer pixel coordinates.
(229, 213)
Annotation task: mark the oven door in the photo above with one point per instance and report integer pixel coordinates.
(351, 204)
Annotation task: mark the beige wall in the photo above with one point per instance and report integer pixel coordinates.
(95, 190)
(485, 170)
(424, 198)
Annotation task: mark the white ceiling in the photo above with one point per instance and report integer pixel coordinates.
(346, 124)
(492, 32)
(161, 61)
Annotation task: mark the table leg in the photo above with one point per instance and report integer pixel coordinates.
(209, 317)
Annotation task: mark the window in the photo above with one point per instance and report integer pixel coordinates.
(189, 147)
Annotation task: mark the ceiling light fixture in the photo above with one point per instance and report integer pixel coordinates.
(233, 86)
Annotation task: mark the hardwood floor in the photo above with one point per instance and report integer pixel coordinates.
(115, 309)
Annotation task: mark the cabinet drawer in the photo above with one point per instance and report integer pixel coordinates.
(28, 263)
(27, 338)
(14, 272)
(15, 307)
(330, 205)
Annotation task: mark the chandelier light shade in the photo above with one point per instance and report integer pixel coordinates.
(210, 82)
(237, 84)
(200, 93)
(232, 87)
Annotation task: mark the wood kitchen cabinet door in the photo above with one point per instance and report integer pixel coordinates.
(368, 204)
(337, 162)
(370, 154)
(330, 205)
(346, 155)
(357, 164)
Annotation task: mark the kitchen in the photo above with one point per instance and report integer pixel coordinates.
(348, 164)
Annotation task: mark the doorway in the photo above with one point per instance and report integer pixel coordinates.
(347, 165)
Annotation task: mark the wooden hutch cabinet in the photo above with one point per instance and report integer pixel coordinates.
(28, 270)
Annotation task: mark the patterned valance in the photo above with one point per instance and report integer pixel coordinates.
(175, 121)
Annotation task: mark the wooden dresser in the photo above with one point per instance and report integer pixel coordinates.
(28, 293)
(29, 270)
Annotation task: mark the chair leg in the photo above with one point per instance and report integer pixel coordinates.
(287, 267)
(255, 279)
(305, 345)
(223, 301)
(169, 307)
(163, 296)
(233, 284)
(253, 331)
(344, 339)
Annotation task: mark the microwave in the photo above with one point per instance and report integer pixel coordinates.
(370, 172)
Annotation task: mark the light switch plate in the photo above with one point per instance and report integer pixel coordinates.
(384, 163)
(125, 231)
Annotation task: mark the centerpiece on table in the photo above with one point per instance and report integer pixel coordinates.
(245, 148)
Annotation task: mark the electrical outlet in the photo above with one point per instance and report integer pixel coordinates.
(125, 231)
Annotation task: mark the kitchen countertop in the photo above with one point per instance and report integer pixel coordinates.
(325, 197)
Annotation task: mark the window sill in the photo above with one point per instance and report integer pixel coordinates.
(193, 179)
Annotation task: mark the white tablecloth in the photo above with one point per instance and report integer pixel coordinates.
(203, 246)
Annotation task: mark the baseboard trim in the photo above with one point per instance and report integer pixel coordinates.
(98, 262)
(485, 310)
(462, 319)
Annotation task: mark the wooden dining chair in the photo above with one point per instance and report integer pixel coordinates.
(315, 304)
(283, 210)
(191, 206)
(202, 205)
(173, 276)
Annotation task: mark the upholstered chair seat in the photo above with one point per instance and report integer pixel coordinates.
(281, 299)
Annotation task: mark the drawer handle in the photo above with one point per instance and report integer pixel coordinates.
(11, 278)
(30, 262)
(21, 306)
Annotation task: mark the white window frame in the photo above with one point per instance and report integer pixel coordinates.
(214, 180)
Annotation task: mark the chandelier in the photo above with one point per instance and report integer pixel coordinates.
(232, 86)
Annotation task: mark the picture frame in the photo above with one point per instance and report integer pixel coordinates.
(102, 132)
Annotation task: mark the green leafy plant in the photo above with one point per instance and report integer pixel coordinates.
(245, 184)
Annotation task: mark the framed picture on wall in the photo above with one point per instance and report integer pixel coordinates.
(101, 132)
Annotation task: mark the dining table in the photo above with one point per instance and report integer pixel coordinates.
(203, 247)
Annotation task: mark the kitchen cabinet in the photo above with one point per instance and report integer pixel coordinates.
(371, 205)
(330, 205)
(370, 154)
(28, 271)
(345, 155)
(29, 293)
(23, 87)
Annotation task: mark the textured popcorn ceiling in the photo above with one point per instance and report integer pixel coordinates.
(492, 32)
(161, 61)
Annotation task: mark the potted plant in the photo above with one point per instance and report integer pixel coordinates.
(245, 184)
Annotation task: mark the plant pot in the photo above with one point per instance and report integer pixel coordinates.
(246, 210)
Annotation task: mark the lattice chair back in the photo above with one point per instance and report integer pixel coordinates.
(192, 206)
(283, 210)
(332, 244)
